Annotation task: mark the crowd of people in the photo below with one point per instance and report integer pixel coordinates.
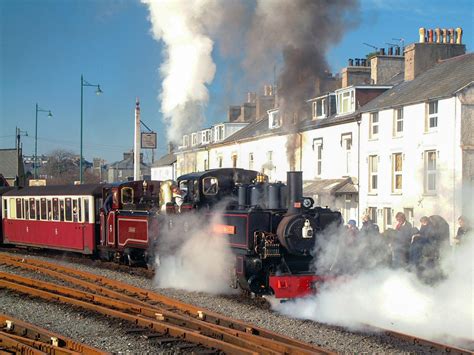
(417, 249)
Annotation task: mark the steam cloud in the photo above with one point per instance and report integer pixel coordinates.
(194, 259)
(184, 28)
(392, 299)
(299, 32)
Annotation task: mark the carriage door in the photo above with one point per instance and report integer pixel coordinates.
(111, 240)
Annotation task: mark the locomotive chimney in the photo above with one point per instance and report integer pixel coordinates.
(295, 191)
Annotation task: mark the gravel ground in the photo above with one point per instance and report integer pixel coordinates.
(110, 335)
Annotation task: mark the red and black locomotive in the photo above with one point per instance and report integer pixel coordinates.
(274, 231)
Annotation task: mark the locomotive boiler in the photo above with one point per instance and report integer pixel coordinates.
(273, 230)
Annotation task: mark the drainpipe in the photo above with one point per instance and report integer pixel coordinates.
(358, 166)
(454, 167)
(301, 150)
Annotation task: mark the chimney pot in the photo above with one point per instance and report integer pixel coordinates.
(451, 36)
(459, 35)
(351, 62)
(444, 32)
(363, 62)
(422, 34)
(397, 50)
(390, 50)
(438, 35)
(382, 51)
(430, 36)
(357, 62)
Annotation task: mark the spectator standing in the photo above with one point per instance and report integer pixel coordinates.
(368, 227)
(402, 241)
(463, 230)
(422, 244)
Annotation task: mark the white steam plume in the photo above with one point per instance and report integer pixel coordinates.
(192, 257)
(188, 67)
(397, 299)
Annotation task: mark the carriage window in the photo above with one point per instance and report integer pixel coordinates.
(86, 210)
(68, 210)
(127, 195)
(61, 210)
(75, 211)
(37, 204)
(55, 209)
(32, 208)
(43, 209)
(50, 211)
(12, 209)
(78, 211)
(18, 208)
(26, 206)
(5, 205)
(210, 186)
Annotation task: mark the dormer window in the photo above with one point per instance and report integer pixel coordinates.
(274, 120)
(319, 109)
(185, 141)
(345, 102)
(218, 133)
(206, 136)
(194, 139)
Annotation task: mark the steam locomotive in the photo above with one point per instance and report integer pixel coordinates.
(273, 231)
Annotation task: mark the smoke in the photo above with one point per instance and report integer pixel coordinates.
(392, 299)
(192, 257)
(301, 31)
(188, 67)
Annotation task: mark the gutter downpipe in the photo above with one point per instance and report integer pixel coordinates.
(301, 150)
(358, 166)
(454, 168)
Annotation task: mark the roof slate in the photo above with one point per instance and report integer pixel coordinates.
(165, 160)
(443, 80)
(9, 163)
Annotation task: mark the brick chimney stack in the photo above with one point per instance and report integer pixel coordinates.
(434, 46)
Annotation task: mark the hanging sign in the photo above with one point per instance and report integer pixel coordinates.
(148, 140)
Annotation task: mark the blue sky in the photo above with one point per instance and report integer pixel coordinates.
(45, 46)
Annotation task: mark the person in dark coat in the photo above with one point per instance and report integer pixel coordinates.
(422, 243)
(368, 227)
(402, 241)
(464, 230)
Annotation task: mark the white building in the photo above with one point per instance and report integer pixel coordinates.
(417, 146)
(164, 168)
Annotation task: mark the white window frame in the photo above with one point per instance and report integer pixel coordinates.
(346, 143)
(185, 141)
(373, 172)
(345, 101)
(194, 139)
(374, 125)
(322, 104)
(372, 212)
(219, 133)
(397, 173)
(274, 120)
(387, 217)
(398, 122)
(432, 109)
(318, 149)
(430, 172)
(206, 136)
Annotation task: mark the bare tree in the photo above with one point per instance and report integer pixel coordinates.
(62, 167)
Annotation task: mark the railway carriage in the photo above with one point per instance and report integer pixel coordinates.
(73, 218)
(54, 217)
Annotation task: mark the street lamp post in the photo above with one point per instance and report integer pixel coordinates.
(98, 92)
(38, 109)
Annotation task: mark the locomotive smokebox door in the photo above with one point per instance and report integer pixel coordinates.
(297, 233)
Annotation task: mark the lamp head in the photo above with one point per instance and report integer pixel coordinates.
(98, 91)
(50, 114)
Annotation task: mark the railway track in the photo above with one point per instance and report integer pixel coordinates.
(149, 311)
(168, 311)
(18, 337)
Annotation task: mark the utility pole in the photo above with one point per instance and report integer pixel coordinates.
(136, 167)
